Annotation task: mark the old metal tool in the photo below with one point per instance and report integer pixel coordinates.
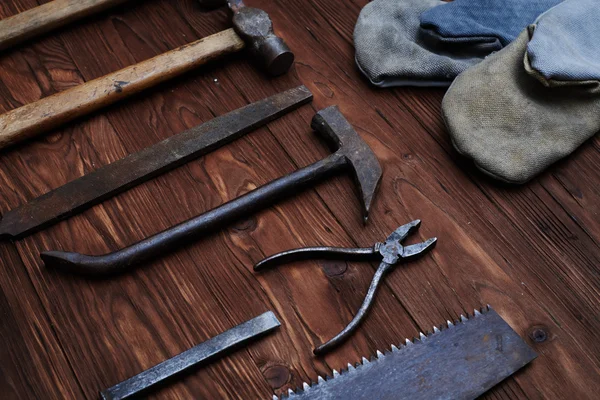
(107, 181)
(390, 252)
(46, 17)
(461, 361)
(352, 154)
(253, 30)
(255, 27)
(200, 354)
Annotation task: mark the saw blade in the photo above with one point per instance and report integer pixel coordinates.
(460, 361)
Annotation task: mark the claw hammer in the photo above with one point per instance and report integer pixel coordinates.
(253, 30)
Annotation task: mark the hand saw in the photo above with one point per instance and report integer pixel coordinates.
(462, 360)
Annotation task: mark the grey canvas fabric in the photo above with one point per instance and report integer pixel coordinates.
(510, 124)
(391, 51)
(565, 45)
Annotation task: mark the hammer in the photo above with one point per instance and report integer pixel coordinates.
(352, 154)
(253, 29)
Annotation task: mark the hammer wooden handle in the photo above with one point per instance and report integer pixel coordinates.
(49, 16)
(52, 111)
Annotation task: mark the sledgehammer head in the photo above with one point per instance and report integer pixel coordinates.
(367, 171)
(254, 26)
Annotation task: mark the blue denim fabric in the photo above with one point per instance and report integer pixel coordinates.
(492, 22)
(565, 45)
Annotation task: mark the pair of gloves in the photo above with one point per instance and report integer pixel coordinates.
(528, 86)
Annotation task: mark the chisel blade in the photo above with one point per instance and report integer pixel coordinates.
(459, 362)
(93, 188)
(198, 355)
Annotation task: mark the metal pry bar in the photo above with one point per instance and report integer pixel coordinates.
(352, 154)
(203, 352)
(390, 252)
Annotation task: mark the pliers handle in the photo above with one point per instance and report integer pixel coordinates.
(388, 253)
(323, 253)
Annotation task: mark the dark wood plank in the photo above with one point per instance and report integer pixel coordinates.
(33, 362)
(532, 252)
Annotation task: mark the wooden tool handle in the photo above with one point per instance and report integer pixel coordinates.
(52, 111)
(49, 16)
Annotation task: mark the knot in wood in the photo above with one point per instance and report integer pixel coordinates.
(538, 334)
(277, 375)
(334, 268)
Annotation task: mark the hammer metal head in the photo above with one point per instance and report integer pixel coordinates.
(255, 27)
(341, 136)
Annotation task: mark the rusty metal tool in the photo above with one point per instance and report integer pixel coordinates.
(198, 355)
(461, 361)
(253, 29)
(136, 168)
(390, 252)
(352, 154)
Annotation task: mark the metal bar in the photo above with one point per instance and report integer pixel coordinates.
(352, 154)
(154, 246)
(202, 353)
(139, 167)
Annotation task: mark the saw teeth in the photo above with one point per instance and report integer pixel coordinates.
(379, 355)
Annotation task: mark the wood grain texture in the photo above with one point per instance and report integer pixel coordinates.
(47, 17)
(532, 252)
(38, 117)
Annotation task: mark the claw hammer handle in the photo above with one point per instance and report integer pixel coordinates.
(50, 112)
(49, 16)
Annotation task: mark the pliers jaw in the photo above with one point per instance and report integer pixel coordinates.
(392, 249)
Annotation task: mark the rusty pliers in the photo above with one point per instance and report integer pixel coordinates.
(390, 252)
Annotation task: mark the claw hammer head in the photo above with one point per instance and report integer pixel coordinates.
(331, 124)
(254, 26)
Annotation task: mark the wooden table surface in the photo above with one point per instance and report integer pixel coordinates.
(532, 251)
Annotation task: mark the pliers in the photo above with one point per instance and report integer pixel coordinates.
(390, 252)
